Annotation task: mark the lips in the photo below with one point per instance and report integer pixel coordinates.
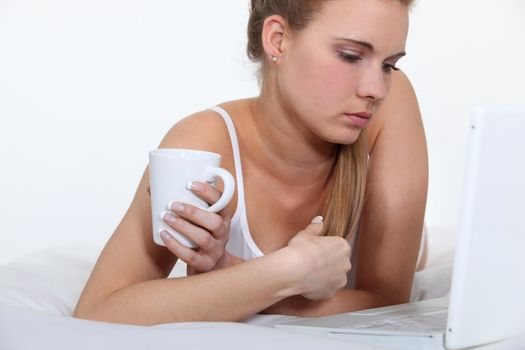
(359, 119)
(364, 115)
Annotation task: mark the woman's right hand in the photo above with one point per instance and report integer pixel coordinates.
(210, 232)
(322, 262)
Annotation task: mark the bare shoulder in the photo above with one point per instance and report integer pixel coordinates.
(204, 130)
(400, 106)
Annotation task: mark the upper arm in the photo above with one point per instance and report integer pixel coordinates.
(397, 182)
(131, 256)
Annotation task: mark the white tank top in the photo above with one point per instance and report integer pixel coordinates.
(241, 242)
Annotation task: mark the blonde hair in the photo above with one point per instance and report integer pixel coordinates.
(347, 181)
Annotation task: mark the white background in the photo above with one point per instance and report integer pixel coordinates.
(87, 88)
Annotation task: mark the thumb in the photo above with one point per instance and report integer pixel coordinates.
(316, 226)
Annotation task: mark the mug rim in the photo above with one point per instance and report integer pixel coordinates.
(183, 153)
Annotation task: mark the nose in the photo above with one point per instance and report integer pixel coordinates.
(373, 83)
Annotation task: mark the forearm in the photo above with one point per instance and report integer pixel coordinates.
(231, 260)
(229, 294)
(345, 300)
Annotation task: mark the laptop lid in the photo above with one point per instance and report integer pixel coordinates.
(487, 300)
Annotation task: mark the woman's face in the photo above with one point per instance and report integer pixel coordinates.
(342, 64)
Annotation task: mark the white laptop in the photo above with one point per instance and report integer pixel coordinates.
(487, 298)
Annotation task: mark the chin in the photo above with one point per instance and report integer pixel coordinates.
(340, 134)
(346, 138)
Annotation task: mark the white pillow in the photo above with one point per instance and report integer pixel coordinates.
(434, 280)
(49, 280)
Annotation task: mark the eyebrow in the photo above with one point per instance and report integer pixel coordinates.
(367, 45)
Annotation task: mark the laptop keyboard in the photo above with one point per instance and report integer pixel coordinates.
(429, 322)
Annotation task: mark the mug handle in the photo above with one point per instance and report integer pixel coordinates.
(229, 187)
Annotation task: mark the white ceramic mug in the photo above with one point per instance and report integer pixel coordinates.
(171, 170)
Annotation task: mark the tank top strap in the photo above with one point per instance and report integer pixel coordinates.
(240, 213)
(236, 153)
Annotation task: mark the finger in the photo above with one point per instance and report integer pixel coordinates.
(200, 236)
(188, 255)
(204, 191)
(207, 193)
(212, 222)
(315, 227)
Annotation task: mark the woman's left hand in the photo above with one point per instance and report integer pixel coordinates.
(209, 231)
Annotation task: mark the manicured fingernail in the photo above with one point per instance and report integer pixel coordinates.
(169, 218)
(194, 186)
(177, 206)
(165, 234)
(317, 220)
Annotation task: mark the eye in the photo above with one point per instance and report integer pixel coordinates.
(387, 67)
(348, 57)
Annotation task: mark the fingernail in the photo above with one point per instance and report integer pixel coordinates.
(169, 218)
(317, 220)
(177, 206)
(194, 186)
(165, 234)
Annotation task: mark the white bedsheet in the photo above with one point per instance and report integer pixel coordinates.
(25, 330)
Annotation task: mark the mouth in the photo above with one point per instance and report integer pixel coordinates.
(359, 119)
(364, 115)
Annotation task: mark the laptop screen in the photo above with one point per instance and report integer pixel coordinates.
(487, 301)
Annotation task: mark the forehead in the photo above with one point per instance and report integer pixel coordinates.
(383, 23)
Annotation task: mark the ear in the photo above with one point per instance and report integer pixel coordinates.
(275, 36)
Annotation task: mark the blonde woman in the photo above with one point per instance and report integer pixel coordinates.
(335, 133)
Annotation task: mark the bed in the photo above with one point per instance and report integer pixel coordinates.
(38, 293)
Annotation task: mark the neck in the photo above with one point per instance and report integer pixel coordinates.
(285, 147)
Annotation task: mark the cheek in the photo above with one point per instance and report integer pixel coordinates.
(317, 83)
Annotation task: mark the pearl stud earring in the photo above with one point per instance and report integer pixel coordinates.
(274, 59)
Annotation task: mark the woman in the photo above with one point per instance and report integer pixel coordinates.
(321, 129)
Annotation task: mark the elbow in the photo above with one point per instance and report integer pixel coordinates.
(97, 314)
(382, 299)
(87, 312)
(395, 299)
(94, 311)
